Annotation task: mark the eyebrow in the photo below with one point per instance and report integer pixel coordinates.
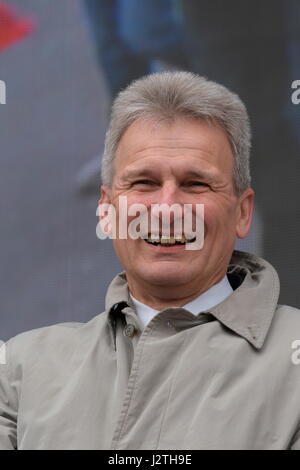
(138, 172)
(203, 174)
(150, 172)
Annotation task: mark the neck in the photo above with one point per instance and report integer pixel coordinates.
(160, 298)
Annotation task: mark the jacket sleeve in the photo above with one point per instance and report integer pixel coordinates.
(8, 403)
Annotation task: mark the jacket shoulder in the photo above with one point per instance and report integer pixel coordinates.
(59, 338)
(289, 312)
(286, 322)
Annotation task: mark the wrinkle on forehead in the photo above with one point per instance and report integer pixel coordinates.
(145, 140)
(153, 129)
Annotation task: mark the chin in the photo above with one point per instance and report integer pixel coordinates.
(166, 277)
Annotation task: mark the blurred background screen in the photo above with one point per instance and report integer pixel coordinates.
(61, 64)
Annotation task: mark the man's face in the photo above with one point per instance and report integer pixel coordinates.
(186, 162)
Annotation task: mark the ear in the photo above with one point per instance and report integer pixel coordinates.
(245, 212)
(105, 195)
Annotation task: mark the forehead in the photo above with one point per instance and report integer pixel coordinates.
(183, 140)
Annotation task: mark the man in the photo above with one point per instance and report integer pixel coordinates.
(192, 351)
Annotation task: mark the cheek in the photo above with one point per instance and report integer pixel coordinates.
(221, 218)
(139, 209)
(142, 197)
(122, 249)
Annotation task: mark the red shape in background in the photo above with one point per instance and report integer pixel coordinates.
(12, 27)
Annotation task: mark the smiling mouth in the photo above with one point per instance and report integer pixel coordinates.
(171, 241)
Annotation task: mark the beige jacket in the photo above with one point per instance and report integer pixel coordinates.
(225, 379)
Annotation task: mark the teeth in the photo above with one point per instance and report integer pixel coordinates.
(167, 241)
(182, 239)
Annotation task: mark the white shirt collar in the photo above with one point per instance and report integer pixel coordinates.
(208, 299)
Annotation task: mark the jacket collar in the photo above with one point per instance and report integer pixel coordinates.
(248, 311)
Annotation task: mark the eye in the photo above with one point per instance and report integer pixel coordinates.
(146, 182)
(196, 183)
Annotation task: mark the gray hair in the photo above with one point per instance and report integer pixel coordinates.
(167, 95)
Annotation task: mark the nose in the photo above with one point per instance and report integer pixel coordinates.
(167, 197)
(169, 194)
